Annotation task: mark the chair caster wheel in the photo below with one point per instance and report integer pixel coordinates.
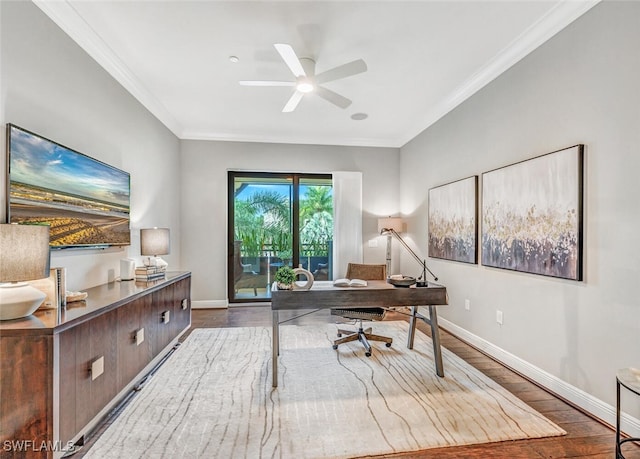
(335, 346)
(339, 335)
(368, 354)
(387, 344)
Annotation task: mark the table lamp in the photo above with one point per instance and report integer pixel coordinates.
(24, 256)
(155, 242)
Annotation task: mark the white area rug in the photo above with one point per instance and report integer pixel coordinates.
(213, 398)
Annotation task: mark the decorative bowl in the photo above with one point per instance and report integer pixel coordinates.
(404, 281)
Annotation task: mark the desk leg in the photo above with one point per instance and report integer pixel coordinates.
(412, 326)
(275, 346)
(435, 337)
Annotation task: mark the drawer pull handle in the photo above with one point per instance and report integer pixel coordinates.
(97, 368)
(185, 303)
(166, 317)
(139, 337)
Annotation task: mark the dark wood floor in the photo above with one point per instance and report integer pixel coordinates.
(585, 437)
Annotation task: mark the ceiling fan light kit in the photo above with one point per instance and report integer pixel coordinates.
(306, 79)
(305, 86)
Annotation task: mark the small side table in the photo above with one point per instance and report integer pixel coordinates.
(629, 378)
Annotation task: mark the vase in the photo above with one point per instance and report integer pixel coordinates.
(303, 272)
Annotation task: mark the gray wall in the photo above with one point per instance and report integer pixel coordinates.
(50, 86)
(580, 87)
(204, 196)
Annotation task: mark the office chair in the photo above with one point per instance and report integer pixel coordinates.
(364, 272)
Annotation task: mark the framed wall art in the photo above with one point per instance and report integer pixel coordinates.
(453, 221)
(532, 215)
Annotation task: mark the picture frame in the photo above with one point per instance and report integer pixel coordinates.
(532, 215)
(453, 221)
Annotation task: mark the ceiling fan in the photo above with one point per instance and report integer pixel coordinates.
(306, 79)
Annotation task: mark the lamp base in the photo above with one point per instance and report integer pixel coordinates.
(157, 262)
(422, 284)
(19, 299)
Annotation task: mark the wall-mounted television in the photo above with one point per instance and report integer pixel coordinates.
(84, 201)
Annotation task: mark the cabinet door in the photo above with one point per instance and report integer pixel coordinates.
(67, 378)
(96, 373)
(182, 295)
(134, 348)
(163, 301)
(26, 388)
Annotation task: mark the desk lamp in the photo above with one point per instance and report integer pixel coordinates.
(154, 242)
(24, 256)
(390, 227)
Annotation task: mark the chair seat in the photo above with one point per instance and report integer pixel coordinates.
(360, 313)
(364, 272)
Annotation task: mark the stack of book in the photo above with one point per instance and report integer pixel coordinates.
(149, 273)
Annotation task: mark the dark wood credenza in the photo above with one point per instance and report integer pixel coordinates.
(62, 370)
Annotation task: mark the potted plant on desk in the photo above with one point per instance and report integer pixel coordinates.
(285, 277)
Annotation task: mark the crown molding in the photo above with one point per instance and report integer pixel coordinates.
(324, 140)
(71, 22)
(556, 19)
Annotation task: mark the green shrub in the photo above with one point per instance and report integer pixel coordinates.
(285, 275)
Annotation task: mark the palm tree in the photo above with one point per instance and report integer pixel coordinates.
(317, 199)
(263, 219)
(316, 219)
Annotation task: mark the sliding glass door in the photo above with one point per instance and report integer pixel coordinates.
(277, 220)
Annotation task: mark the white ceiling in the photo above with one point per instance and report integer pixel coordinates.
(423, 58)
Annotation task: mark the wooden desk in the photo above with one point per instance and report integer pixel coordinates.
(323, 295)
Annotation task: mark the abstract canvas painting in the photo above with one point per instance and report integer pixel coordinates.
(532, 215)
(453, 222)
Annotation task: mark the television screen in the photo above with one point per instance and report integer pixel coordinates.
(85, 202)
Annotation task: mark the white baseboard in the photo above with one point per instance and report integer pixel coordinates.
(223, 304)
(577, 396)
(209, 304)
(256, 303)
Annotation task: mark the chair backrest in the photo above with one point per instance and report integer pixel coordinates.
(366, 271)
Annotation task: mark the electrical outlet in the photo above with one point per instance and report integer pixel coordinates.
(499, 317)
(467, 304)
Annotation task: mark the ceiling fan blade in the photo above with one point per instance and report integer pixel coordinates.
(293, 102)
(333, 97)
(266, 83)
(342, 71)
(289, 56)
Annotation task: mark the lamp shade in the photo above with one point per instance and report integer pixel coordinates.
(394, 223)
(24, 252)
(154, 241)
